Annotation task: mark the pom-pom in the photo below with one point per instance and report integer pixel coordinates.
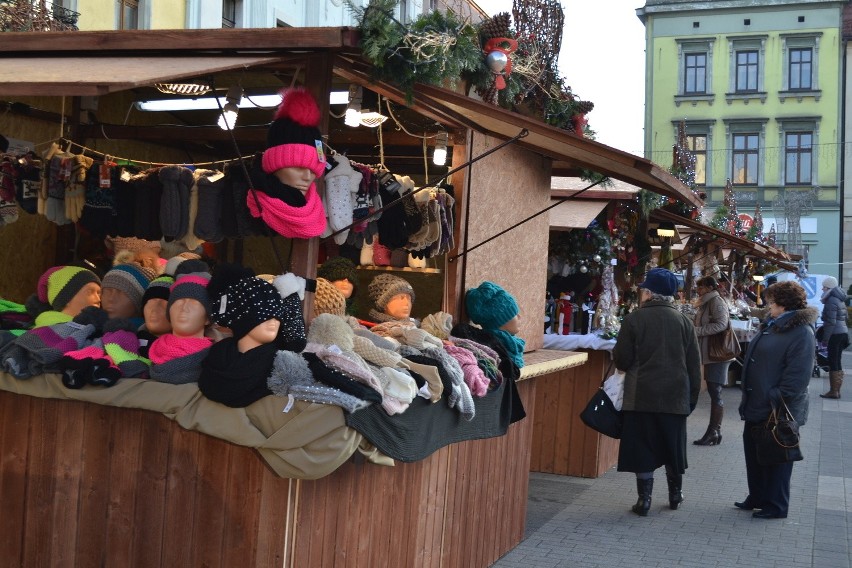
(224, 275)
(298, 105)
(35, 306)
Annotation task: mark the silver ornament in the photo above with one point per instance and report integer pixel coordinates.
(584, 269)
(497, 61)
(596, 258)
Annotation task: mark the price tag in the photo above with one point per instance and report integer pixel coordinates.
(104, 180)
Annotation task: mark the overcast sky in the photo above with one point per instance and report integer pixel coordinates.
(603, 60)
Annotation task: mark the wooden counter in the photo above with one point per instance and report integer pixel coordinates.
(561, 443)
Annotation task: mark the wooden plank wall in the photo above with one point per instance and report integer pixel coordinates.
(89, 485)
(561, 443)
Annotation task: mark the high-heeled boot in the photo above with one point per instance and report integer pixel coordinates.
(644, 487)
(713, 435)
(675, 481)
(835, 381)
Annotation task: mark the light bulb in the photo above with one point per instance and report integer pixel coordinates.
(353, 109)
(228, 118)
(439, 156)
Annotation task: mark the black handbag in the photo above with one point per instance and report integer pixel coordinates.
(777, 440)
(600, 414)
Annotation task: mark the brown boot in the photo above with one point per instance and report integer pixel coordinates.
(835, 381)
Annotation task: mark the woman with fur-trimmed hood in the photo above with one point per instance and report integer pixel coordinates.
(778, 364)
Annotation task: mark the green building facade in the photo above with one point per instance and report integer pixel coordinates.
(759, 87)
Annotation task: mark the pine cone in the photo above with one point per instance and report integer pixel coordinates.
(497, 26)
(585, 107)
(489, 95)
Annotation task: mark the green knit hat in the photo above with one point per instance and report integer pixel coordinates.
(58, 285)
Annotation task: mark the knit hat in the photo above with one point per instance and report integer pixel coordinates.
(294, 139)
(58, 285)
(660, 281)
(173, 262)
(246, 304)
(192, 286)
(159, 288)
(132, 244)
(328, 299)
(131, 279)
(338, 268)
(191, 265)
(829, 282)
(490, 306)
(385, 286)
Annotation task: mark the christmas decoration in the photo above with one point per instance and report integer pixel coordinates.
(770, 238)
(606, 318)
(755, 232)
(576, 247)
(683, 168)
(726, 218)
(497, 51)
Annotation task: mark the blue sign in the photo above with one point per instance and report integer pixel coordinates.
(809, 283)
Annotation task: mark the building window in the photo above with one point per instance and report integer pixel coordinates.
(127, 14)
(229, 13)
(698, 147)
(747, 71)
(797, 157)
(801, 61)
(695, 67)
(745, 157)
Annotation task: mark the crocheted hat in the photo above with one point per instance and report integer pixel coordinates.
(660, 281)
(385, 286)
(338, 268)
(328, 299)
(490, 306)
(159, 288)
(294, 139)
(58, 285)
(192, 286)
(131, 279)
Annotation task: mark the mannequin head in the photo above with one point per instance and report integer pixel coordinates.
(493, 308)
(69, 289)
(122, 290)
(392, 295)
(155, 306)
(298, 178)
(261, 334)
(328, 299)
(340, 271)
(188, 317)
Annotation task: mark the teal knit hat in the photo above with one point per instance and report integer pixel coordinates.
(490, 306)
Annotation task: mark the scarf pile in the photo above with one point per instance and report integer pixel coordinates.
(236, 379)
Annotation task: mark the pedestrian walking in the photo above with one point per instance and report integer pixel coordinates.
(834, 331)
(658, 351)
(712, 318)
(778, 365)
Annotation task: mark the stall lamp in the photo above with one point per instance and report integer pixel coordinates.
(757, 277)
(666, 229)
(209, 103)
(439, 156)
(353, 109)
(228, 119)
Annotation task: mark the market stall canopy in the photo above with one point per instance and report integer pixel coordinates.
(575, 214)
(775, 256)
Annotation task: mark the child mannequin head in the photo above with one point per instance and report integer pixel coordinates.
(392, 296)
(69, 289)
(340, 271)
(155, 306)
(122, 290)
(189, 305)
(493, 308)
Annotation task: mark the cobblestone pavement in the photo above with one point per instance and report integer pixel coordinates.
(587, 523)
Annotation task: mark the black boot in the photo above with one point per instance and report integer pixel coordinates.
(675, 493)
(644, 487)
(713, 435)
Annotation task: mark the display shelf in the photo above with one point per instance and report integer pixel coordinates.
(400, 269)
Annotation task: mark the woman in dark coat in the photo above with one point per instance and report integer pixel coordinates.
(658, 351)
(778, 364)
(834, 331)
(711, 319)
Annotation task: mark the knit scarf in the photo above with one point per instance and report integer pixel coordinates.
(236, 379)
(51, 317)
(169, 346)
(514, 345)
(291, 222)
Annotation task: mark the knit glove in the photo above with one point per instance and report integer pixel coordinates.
(416, 337)
(78, 366)
(122, 347)
(208, 219)
(59, 177)
(473, 375)
(75, 192)
(399, 389)
(174, 204)
(340, 185)
(375, 354)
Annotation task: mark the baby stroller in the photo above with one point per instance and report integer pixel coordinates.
(821, 354)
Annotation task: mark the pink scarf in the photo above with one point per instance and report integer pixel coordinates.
(291, 222)
(169, 346)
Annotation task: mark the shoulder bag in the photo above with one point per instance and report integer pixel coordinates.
(600, 413)
(723, 346)
(777, 440)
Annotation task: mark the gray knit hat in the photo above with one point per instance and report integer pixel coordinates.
(386, 286)
(291, 376)
(193, 286)
(131, 279)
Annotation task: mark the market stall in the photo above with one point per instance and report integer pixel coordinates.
(166, 477)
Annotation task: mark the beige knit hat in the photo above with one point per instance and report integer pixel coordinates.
(328, 299)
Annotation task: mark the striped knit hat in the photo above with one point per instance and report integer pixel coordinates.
(192, 286)
(58, 285)
(131, 279)
(159, 288)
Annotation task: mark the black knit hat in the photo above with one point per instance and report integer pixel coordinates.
(158, 289)
(338, 268)
(247, 304)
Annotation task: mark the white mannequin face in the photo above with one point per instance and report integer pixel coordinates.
(156, 321)
(89, 295)
(260, 334)
(345, 287)
(512, 326)
(300, 178)
(118, 304)
(399, 307)
(188, 317)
